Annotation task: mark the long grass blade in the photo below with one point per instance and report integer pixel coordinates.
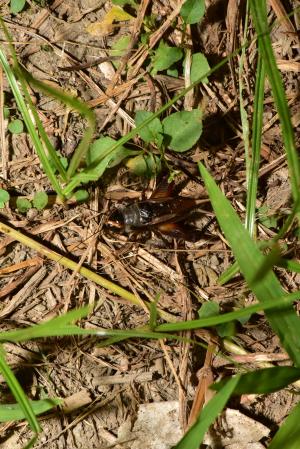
(287, 323)
(259, 13)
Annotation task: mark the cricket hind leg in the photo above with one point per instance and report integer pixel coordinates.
(180, 231)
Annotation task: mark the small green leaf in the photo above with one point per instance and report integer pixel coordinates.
(173, 72)
(119, 48)
(63, 161)
(226, 329)
(6, 112)
(17, 6)
(269, 221)
(144, 38)
(23, 205)
(16, 126)
(183, 129)
(164, 57)
(81, 195)
(192, 11)
(209, 308)
(99, 149)
(4, 196)
(212, 308)
(263, 381)
(40, 200)
(151, 132)
(144, 165)
(199, 67)
(100, 156)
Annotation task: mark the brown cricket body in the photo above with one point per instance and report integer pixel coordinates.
(162, 212)
(153, 213)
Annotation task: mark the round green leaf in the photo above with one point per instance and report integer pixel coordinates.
(40, 200)
(183, 129)
(199, 67)
(4, 196)
(23, 205)
(17, 6)
(192, 11)
(16, 126)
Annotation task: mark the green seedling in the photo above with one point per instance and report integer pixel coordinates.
(192, 11)
(4, 198)
(17, 6)
(16, 126)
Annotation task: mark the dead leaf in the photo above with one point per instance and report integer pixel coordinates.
(105, 27)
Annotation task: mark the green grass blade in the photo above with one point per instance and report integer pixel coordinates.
(77, 105)
(288, 436)
(263, 381)
(61, 325)
(243, 112)
(279, 305)
(259, 13)
(286, 324)
(252, 179)
(18, 393)
(194, 437)
(29, 123)
(291, 265)
(13, 412)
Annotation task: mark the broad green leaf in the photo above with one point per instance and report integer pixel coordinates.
(4, 196)
(164, 57)
(151, 132)
(16, 126)
(14, 412)
(286, 324)
(17, 6)
(263, 381)
(183, 129)
(199, 67)
(194, 437)
(288, 436)
(192, 11)
(40, 200)
(144, 165)
(23, 205)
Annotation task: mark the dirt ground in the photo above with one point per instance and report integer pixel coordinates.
(105, 387)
